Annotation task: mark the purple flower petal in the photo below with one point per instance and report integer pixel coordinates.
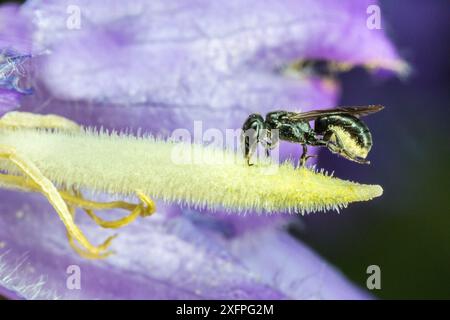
(177, 86)
(165, 259)
(158, 258)
(190, 62)
(161, 65)
(14, 38)
(301, 276)
(186, 62)
(9, 100)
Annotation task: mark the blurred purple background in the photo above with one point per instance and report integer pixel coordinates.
(405, 232)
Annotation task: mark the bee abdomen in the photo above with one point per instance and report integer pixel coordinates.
(357, 129)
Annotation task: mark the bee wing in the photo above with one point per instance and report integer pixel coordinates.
(354, 111)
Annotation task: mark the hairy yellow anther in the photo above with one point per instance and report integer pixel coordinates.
(54, 156)
(23, 120)
(121, 164)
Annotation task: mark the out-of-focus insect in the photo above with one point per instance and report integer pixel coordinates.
(339, 129)
(11, 70)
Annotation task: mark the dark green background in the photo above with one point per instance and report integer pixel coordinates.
(406, 231)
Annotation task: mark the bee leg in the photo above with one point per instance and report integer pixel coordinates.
(267, 147)
(250, 153)
(311, 156)
(270, 142)
(336, 147)
(312, 141)
(357, 159)
(304, 156)
(47, 188)
(248, 144)
(343, 152)
(251, 135)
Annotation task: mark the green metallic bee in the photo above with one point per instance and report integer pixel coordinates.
(339, 129)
